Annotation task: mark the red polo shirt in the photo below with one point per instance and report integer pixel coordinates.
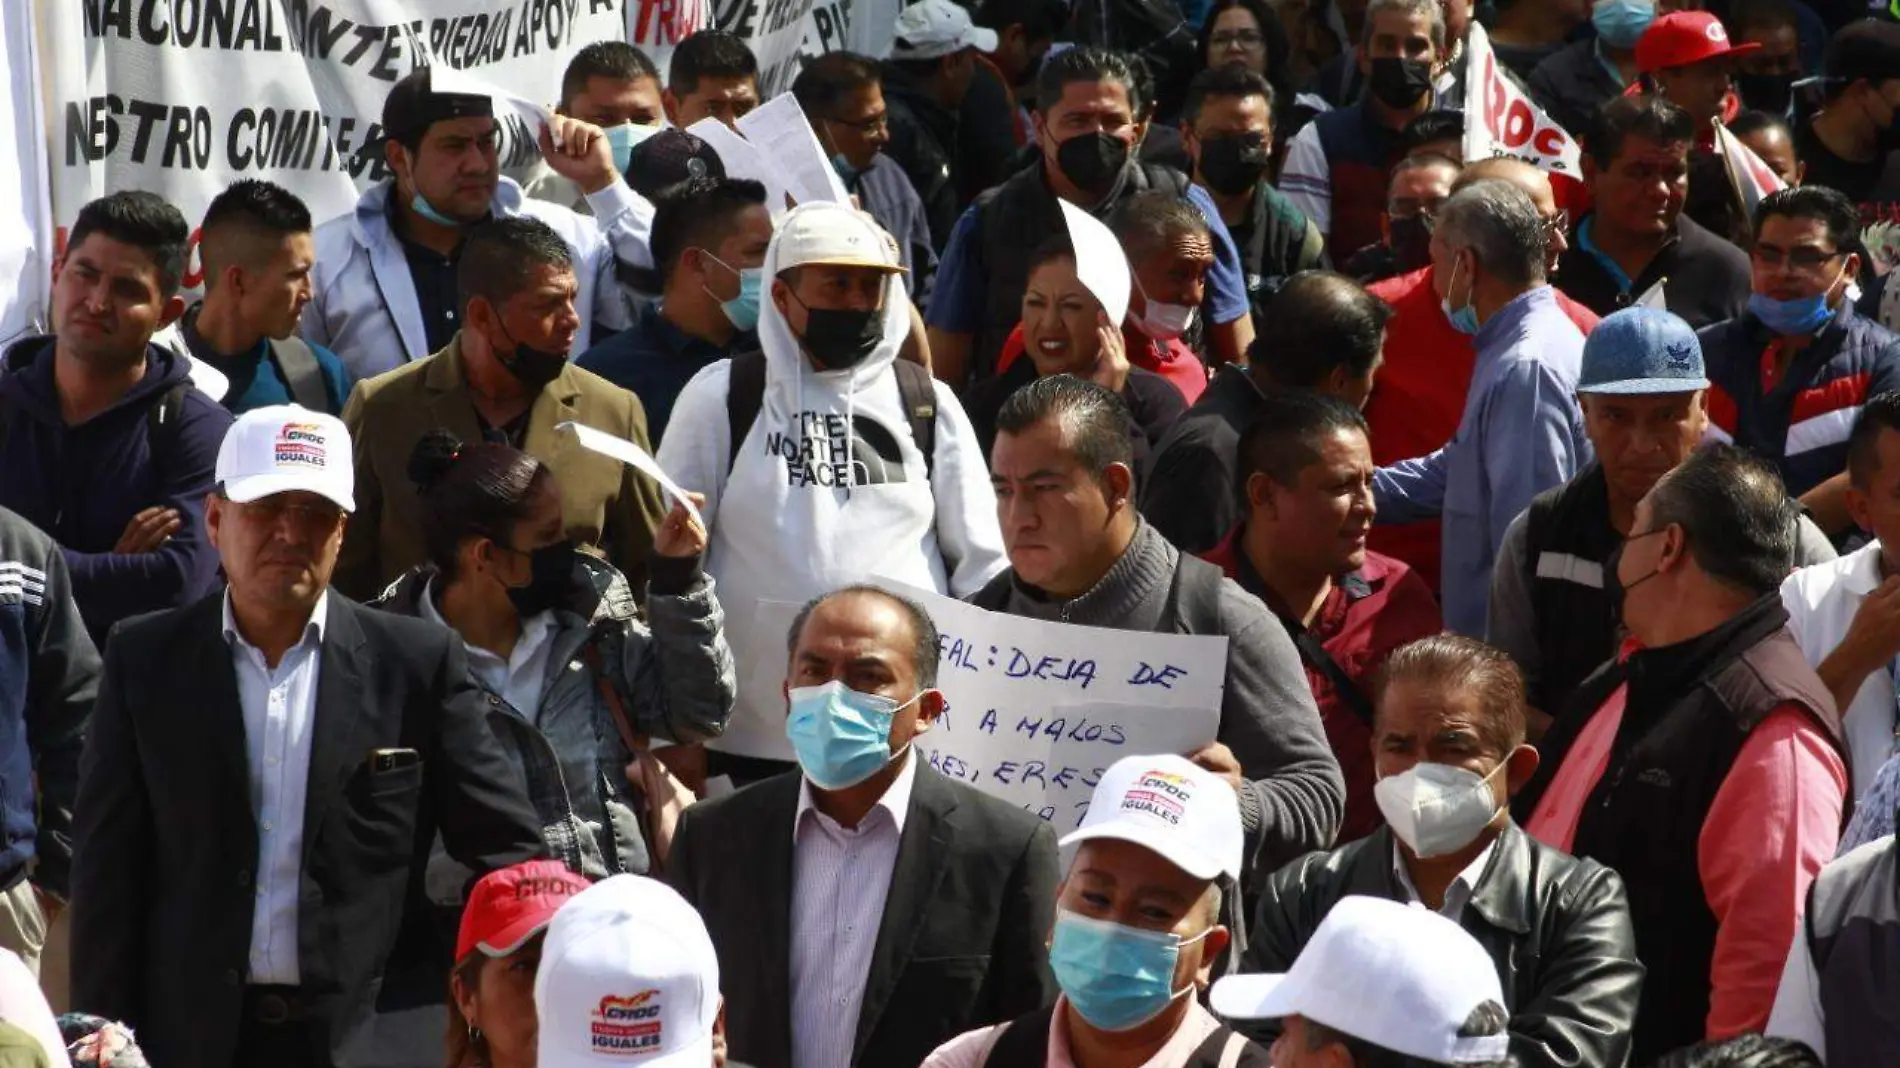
(1418, 398)
(1369, 613)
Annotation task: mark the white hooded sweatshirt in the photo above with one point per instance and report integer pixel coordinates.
(828, 489)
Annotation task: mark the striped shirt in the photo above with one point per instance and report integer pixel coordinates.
(840, 879)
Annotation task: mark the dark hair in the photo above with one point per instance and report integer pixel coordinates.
(1285, 434)
(1733, 508)
(830, 78)
(1271, 30)
(1365, 1054)
(924, 654)
(1151, 220)
(1445, 125)
(710, 54)
(1828, 206)
(1454, 662)
(1418, 161)
(478, 490)
(249, 207)
(1321, 320)
(147, 222)
(1094, 419)
(499, 258)
(1086, 63)
(1041, 20)
(1227, 80)
(1648, 116)
(463, 1046)
(614, 60)
(1055, 248)
(1745, 15)
(1751, 121)
(1742, 1051)
(1880, 412)
(699, 213)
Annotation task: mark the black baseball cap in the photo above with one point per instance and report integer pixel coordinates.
(1867, 49)
(668, 158)
(412, 107)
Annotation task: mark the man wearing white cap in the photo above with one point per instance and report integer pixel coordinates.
(1379, 981)
(628, 976)
(932, 63)
(1137, 932)
(825, 461)
(266, 771)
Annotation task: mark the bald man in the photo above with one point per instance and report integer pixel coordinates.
(1535, 182)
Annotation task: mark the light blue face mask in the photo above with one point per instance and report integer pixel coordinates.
(1465, 319)
(742, 310)
(623, 138)
(1792, 318)
(1117, 977)
(422, 207)
(1621, 22)
(842, 737)
(845, 170)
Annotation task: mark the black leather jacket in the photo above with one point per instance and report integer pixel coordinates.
(1558, 928)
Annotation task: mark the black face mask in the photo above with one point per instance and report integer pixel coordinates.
(1411, 243)
(1234, 165)
(1613, 586)
(550, 579)
(838, 338)
(534, 367)
(1766, 92)
(1397, 82)
(1092, 161)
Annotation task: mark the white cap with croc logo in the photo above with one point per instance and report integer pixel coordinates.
(628, 977)
(1185, 813)
(287, 449)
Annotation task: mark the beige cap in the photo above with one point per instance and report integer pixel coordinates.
(836, 235)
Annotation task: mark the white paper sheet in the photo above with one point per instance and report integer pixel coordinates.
(1099, 261)
(782, 134)
(742, 159)
(642, 461)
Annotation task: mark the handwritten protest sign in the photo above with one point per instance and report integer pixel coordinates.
(1039, 709)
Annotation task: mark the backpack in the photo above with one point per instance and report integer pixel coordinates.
(745, 395)
(303, 377)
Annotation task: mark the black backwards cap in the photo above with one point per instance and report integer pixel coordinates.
(412, 107)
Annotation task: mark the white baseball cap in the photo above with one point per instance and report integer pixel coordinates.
(822, 232)
(1398, 976)
(285, 448)
(628, 977)
(936, 28)
(1187, 814)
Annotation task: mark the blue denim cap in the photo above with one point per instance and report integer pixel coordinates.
(1642, 350)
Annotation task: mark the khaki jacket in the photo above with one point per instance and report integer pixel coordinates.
(608, 506)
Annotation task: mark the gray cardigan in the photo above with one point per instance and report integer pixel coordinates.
(1295, 795)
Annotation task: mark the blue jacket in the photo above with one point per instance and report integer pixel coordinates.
(83, 484)
(49, 675)
(1803, 423)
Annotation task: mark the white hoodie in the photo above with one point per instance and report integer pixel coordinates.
(783, 527)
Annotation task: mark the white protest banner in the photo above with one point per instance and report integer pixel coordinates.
(1037, 710)
(779, 130)
(182, 97)
(1501, 121)
(26, 221)
(641, 460)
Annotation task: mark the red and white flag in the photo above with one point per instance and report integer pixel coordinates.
(1751, 178)
(1501, 121)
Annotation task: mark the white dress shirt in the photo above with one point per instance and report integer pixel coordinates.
(840, 878)
(1458, 894)
(1821, 600)
(522, 677)
(279, 706)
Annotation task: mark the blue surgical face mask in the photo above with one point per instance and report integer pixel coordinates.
(843, 166)
(1465, 319)
(742, 310)
(623, 138)
(1117, 977)
(1792, 318)
(1621, 22)
(422, 207)
(842, 737)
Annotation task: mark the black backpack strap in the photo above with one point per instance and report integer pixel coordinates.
(1194, 596)
(1322, 661)
(919, 393)
(303, 376)
(1162, 176)
(745, 395)
(1022, 1042)
(162, 420)
(1226, 1048)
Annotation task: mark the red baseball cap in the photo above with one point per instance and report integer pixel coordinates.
(511, 905)
(1684, 37)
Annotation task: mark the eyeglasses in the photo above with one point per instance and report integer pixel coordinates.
(880, 121)
(1802, 259)
(1240, 38)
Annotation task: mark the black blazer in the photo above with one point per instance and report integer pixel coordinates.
(166, 845)
(962, 940)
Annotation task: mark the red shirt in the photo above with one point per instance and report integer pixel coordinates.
(1169, 359)
(1368, 613)
(1418, 398)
